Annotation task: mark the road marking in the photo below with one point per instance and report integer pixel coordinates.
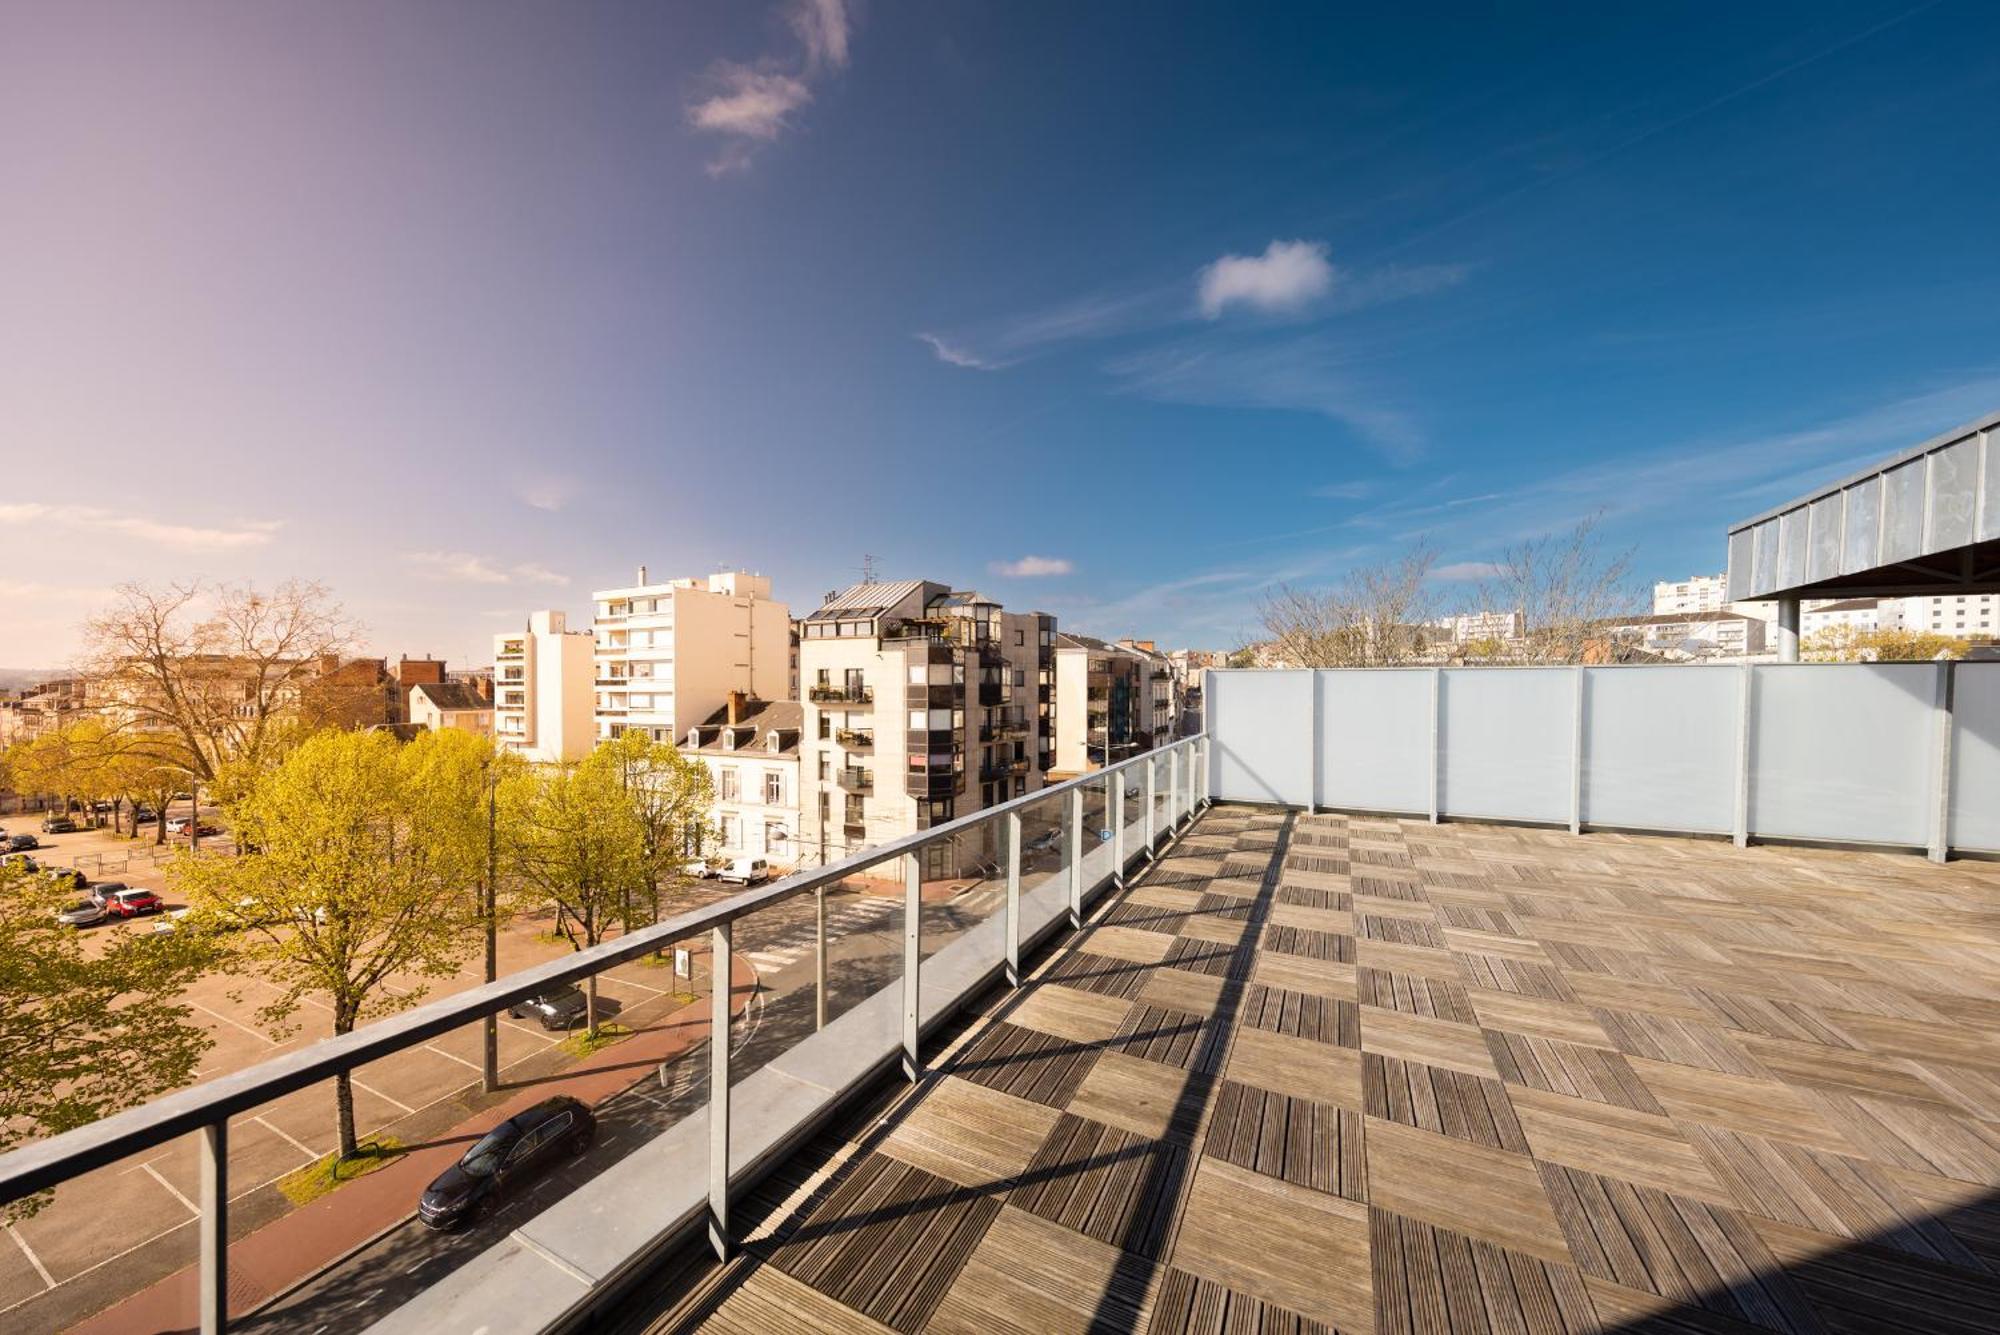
(626, 982)
(33, 1259)
(284, 1135)
(384, 1097)
(172, 1190)
(451, 1056)
(255, 1033)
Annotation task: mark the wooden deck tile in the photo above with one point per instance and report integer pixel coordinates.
(1144, 1097)
(1171, 1037)
(1067, 1012)
(1439, 998)
(970, 1134)
(1418, 1038)
(1433, 1281)
(1190, 1305)
(1025, 1063)
(1843, 1070)
(1290, 1246)
(1668, 1038)
(1028, 1276)
(1616, 1141)
(1326, 978)
(1309, 1144)
(1432, 1098)
(1857, 1288)
(1300, 1066)
(1761, 1106)
(1095, 973)
(1177, 989)
(1569, 1068)
(1127, 943)
(769, 1299)
(1335, 922)
(1472, 1189)
(1565, 1021)
(1300, 1014)
(1106, 1183)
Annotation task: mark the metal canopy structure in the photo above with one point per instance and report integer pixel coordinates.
(1925, 521)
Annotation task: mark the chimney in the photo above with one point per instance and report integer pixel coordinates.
(736, 702)
(642, 576)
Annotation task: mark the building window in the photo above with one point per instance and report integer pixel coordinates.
(1020, 638)
(774, 787)
(727, 783)
(777, 839)
(728, 827)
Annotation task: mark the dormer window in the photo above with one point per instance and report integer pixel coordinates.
(771, 743)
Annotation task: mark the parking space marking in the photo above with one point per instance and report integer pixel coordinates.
(627, 982)
(256, 1033)
(33, 1259)
(284, 1135)
(171, 1189)
(452, 1056)
(386, 1099)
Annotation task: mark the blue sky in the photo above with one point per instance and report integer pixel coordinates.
(468, 309)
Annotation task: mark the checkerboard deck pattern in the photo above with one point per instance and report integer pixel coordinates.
(1322, 1073)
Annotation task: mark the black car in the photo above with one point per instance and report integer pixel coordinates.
(58, 825)
(506, 1158)
(21, 843)
(69, 878)
(559, 1008)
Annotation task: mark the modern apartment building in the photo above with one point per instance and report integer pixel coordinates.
(921, 704)
(668, 654)
(751, 749)
(541, 689)
(1101, 703)
(1159, 690)
(1696, 635)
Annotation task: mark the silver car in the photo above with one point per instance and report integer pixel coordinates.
(83, 913)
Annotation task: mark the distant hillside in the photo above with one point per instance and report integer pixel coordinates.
(12, 678)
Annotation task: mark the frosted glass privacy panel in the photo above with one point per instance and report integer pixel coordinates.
(1375, 739)
(1506, 737)
(1975, 757)
(1260, 729)
(1843, 751)
(1659, 747)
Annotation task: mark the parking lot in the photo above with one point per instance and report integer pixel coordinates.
(127, 1223)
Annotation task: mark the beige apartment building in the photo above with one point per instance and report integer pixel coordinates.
(450, 704)
(668, 654)
(541, 689)
(751, 750)
(921, 704)
(1103, 705)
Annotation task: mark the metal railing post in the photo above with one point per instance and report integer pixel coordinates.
(1073, 818)
(819, 958)
(1741, 832)
(1115, 812)
(1940, 841)
(913, 961)
(1013, 827)
(1173, 790)
(1437, 759)
(1152, 808)
(718, 1089)
(1576, 758)
(214, 1227)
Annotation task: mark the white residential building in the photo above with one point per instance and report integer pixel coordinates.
(451, 704)
(1470, 627)
(1159, 691)
(751, 749)
(1967, 615)
(1695, 635)
(921, 705)
(1855, 613)
(1116, 696)
(669, 654)
(1705, 593)
(541, 689)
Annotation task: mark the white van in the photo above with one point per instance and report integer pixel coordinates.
(744, 871)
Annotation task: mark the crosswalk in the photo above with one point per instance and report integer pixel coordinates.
(869, 913)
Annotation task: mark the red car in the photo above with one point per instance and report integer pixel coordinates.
(125, 901)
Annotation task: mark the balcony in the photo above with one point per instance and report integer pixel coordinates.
(992, 693)
(855, 739)
(1504, 1051)
(842, 695)
(856, 780)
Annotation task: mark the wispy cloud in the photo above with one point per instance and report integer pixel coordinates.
(751, 105)
(1033, 567)
(545, 491)
(466, 568)
(90, 518)
(1288, 276)
(1462, 571)
(953, 355)
(1344, 491)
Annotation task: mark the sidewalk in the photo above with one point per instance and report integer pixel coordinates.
(265, 1263)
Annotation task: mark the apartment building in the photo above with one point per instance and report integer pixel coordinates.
(1705, 593)
(1101, 703)
(751, 750)
(1713, 633)
(1159, 690)
(542, 689)
(921, 704)
(450, 704)
(668, 654)
(1967, 615)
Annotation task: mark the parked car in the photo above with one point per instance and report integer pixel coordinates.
(180, 825)
(557, 1009)
(21, 843)
(505, 1159)
(140, 815)
(127, 901)
(20, 862)
(58, 825)
(83, 913)
(68, 877)
(745, 871)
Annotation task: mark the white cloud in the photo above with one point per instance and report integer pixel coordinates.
(466, 568)
(751, 103)
(1468, 570)
(1289, 275)
(953, 355)
(1033, 567)
(545, 491)
(249, 533)
(822, 26)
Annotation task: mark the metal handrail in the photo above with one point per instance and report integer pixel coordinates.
(208, 1106)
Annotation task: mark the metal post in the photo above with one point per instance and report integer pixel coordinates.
(819, 959)
(1940, 847)
(1744, 695)
(1788, 627)
(1576, 760)
(1314, 752)
(1013, 827)
(718, 1090)
(1151, 807)
(489, 1066)
(913, 962)
(214, 1227)
(1174, 791)
(1437, 757)
(1074, 839)
(1115, 809)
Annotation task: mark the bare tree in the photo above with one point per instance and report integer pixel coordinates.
(1376, 616)
(1568, 589)
(199, 676)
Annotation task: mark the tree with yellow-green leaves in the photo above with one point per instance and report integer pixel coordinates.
(85, 1033)
(670, 795)
(575, 841)
(1852, 644)
(358, 869)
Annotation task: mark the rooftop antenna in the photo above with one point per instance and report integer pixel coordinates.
(867, 568)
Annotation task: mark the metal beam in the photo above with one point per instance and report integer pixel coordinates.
(718, 1089)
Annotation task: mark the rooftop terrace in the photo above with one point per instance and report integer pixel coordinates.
(1318, 1072)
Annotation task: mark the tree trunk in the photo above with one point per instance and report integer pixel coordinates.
(343, 1090)
(590, 1011)
(160, 824)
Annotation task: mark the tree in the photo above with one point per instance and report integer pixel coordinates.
(357, 871)
(1851, 644)
(1246, 657)
(197, 675)
(1376, 616)
(670, 795)
(1567, 588)
(577, 842)
(85, 1033)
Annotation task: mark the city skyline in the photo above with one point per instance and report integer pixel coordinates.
(465, 319)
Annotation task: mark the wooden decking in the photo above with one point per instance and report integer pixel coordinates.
(1321, 1073)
